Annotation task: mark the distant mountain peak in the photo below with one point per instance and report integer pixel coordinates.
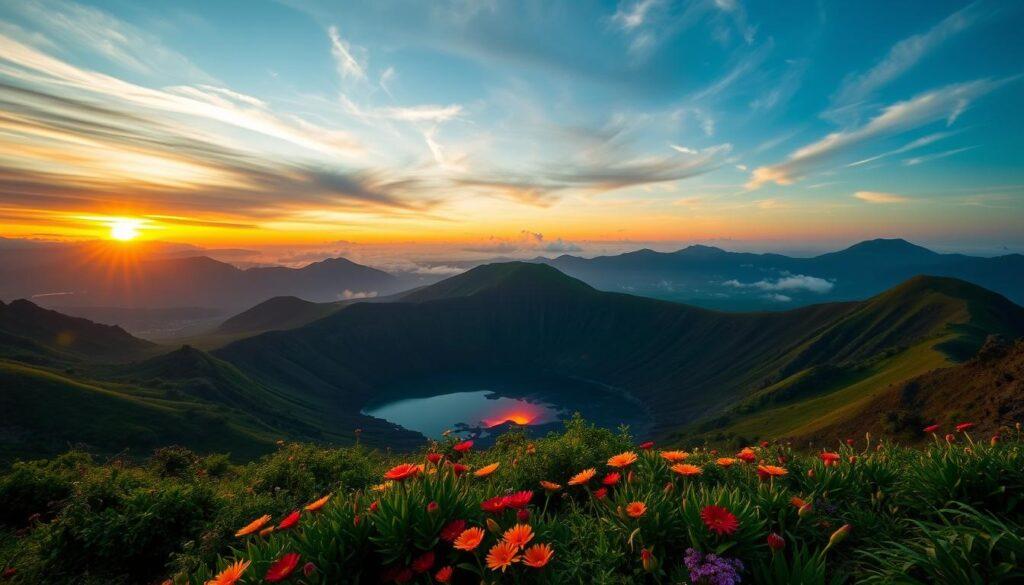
(503, 278)
(701, 250)
(888, 246)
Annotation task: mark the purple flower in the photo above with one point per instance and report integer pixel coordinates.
(712, 569)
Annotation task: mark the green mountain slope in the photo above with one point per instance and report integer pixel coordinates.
(684, 363)
(28, 327)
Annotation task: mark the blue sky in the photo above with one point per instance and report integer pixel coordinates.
(484, 125)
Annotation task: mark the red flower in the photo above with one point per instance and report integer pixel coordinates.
(931, 428)
(849, 442)
(964, 427)
(523, 515)
(289, 521)
(747, 454)
(776, 542)
(282, 568)
(458, 469)
(452, 530)
(444, 574)
(829, 458)
(518, 500)
(374, 505)
(647, 446)
(308, 569)
(764, 444)
(612, 478)
(424, 562)
(402, 472)
(493, 505)
(463, 446)
(432, 507)
(434, 457)
(719, 520)
(600, 493)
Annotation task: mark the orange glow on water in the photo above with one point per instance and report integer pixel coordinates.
(523, 414)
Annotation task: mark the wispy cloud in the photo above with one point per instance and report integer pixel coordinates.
(347, 64)
(880, 197)
(918, 143)
(935, 156)
(902, 57)
(895, 119)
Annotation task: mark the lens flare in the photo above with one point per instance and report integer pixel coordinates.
(124, 229)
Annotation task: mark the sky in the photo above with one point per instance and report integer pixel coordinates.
(514, 127)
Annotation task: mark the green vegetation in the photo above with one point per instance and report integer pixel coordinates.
(867, 511)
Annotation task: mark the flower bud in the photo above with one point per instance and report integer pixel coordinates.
(950, 438)
(493, 526)
(647, 559)
(839, 535)
(523, 515)
(432, 508)
(994, 440)
(776, 542)
(805, 510)
(810, 473)
(308, 569)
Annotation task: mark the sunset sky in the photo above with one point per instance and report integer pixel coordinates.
(514, 127)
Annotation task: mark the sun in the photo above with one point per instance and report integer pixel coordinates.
(124, 229)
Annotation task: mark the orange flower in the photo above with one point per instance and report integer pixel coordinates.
(267, 530)
(537, 555)
(686, 470)
(674, 456)
(726, 461)
(766, 472)
(550, 486)
(486, 470)
(636, 509)
(402, 472)
(469, 539)
(518, 535)
(747, 454)
(624, 459)
(501, 556)
(583, 476)
(315, 506)
(797, 502)
(231, 574)
(253, 526)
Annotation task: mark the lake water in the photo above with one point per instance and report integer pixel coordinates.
(483, 407)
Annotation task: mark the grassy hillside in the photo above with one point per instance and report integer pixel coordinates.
(585, 505)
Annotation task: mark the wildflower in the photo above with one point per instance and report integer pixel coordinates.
(282, 568)
(452, 530)
(726, 461)
(523, 515)
(797, 502)
(444, 574)
(463, 446)
(402, 472)
(804, 510)
(647, 560)
(531, 449)
(289, 521)
(433, 507)
(423, 563)
(315, 506)
(434, 458)
(231, 574)
(776, 542)
(601, 493)
(647, 445)
(839, 535)
(493, 505)
(965, 426)
(458, 469)
(829, 458)
(850, 442)
(487, 470)
(501, 556)
(622, 460)
(712, 568)
(611, 479)
(518, 535)
(550, 486)
(537, 555)
(747, 455)
(686, 469)
(931, 428)
(719, 520)
(764, 444)
(374, 505)
(266, 531)
(636, 509)
(583, 476)
(308, 569)
(469, 539)
(994, 440)
(383, 487)
(518, 500)
(253, 526)
(766, 472)
(674, 456)
(950, 438)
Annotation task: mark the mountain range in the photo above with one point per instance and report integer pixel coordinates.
(699, 373)
(714, 278)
